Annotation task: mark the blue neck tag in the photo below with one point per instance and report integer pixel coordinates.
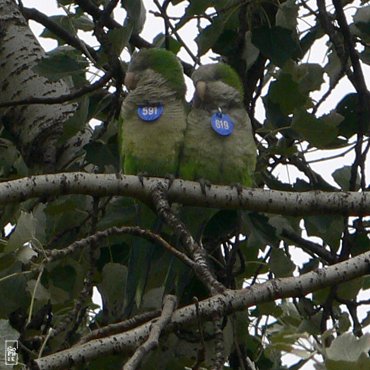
(150, 113)
(222, 123)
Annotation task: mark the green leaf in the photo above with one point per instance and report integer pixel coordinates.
(119, 37)
(64, 22)
(260, 233)
(37, 290)
(287, 15)
(173, 45)
(136, 14)
(276, 43)
(349, 108)
(112, 288)
(350, 349)
(209, 35)
(342, 177)
(77, 121)
(99, 154)
(318, 132)
(333, 68)
(365, 55)
(311, 77)
(25, 254)
(83, 22)
(197, 7)
(250, 52)
(350, 289)
(61, 62)
(286, 93)
(280, 264)
(24, 232)
(362, 21)
(14, 289)
(328, 228)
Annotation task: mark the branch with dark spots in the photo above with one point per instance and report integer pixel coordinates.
(120, 327)
(62, 98)
(224, 304)
(187, 193)
(169, 306)
(54, 254)
(220, 344)
(193, 249)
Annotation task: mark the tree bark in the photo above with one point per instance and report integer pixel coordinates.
(36, 128)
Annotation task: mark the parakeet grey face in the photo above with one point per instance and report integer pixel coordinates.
(131, 80)
(218, 72)
(219, 144)
(217, 85)
(159, 61)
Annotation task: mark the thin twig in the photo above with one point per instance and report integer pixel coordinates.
(61, 32)
(169, 306)
(310, 247)
(173, 29)
(132, 230)
(62, 98)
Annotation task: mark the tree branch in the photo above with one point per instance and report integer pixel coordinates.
(194, 249)
(54, 254)
(59, 31)
(120, 327)
(187, 193)
(169, 305)
(62, 98)
(309, 246)
(224, 304)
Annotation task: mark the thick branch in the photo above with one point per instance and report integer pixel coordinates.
(187, 193)
(225, 303)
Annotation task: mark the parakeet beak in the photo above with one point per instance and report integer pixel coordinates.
(130, 80)
(200, 89)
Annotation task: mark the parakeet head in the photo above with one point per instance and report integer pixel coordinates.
(216, 72)
(161, 61)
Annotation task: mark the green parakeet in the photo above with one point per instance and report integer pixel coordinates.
(153, 116)
(218, 145)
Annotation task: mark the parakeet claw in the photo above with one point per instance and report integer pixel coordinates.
(203, 184)
(170, 177)
(141, 176)
(238, 187)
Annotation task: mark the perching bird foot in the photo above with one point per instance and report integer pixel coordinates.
(141, 176)
(238, 187)
(203, 184)
(170, 177)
